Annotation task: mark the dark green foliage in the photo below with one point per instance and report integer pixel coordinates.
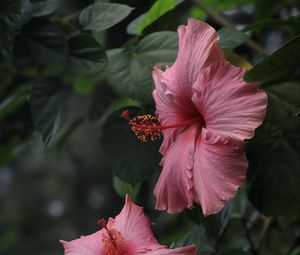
(130, 68)
(86, 54)
(284, 105)
(230, 38)
(44, 7)
(40, 42)
(198, 237)
(274, 154)
(274, 173)
(13, 102)
(100, 16)
(159, 8)
(131, 160)
(47, 100)
(284, 64)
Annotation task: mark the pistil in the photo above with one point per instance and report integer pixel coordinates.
(149, 127)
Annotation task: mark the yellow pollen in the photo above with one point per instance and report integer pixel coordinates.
(113, 243)
(149, 127)
(146, 127)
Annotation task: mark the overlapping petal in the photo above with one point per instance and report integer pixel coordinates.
(176, 179)
(197, 49)
(230, 106)
(89, 245)
(220, 167)
(135, 228)
(167, 109)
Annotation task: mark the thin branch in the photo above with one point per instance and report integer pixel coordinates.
(266, 226)
(226, 23)
(218, 244)
(249, 238)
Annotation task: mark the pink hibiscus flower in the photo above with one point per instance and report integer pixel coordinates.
(206, 111)
(128, 234)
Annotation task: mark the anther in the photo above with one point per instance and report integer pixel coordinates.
(102, 223)
(113, 241)
(149, 127)
(144, 126)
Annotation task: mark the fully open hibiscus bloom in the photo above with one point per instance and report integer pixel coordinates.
(215, 111)
(128, 234)
(206, 111)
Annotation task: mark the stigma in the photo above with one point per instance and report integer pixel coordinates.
(113, 241)
(145, 127)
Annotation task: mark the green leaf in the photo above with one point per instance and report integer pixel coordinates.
(13, 14)
(198, 237)
(47, 100)
(121, 103)
(284, 64)
(158, 9)
(85, 84)
(274, 154)
(274, 172)
(41, 42)
(132, 27)
(123, 188)
(44, 7)
(284, 105)
(130, 70)
(230, 38)
(13, 102)
(86, 54)
(100, 16)
(130, 159)
(65, 132)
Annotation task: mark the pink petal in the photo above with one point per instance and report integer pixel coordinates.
(230, 106)
(219, 170)
(188, 250)
(168, 111)
(173, 190)
(135, 228)
(88, 245)
(197, 49)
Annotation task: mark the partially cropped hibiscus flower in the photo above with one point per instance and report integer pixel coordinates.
(206, 111)
(128, 234)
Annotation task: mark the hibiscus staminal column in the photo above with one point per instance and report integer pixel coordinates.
(113, 242)
(149, 127)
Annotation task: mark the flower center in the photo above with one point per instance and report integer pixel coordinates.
(113, 241)
(149, 127)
